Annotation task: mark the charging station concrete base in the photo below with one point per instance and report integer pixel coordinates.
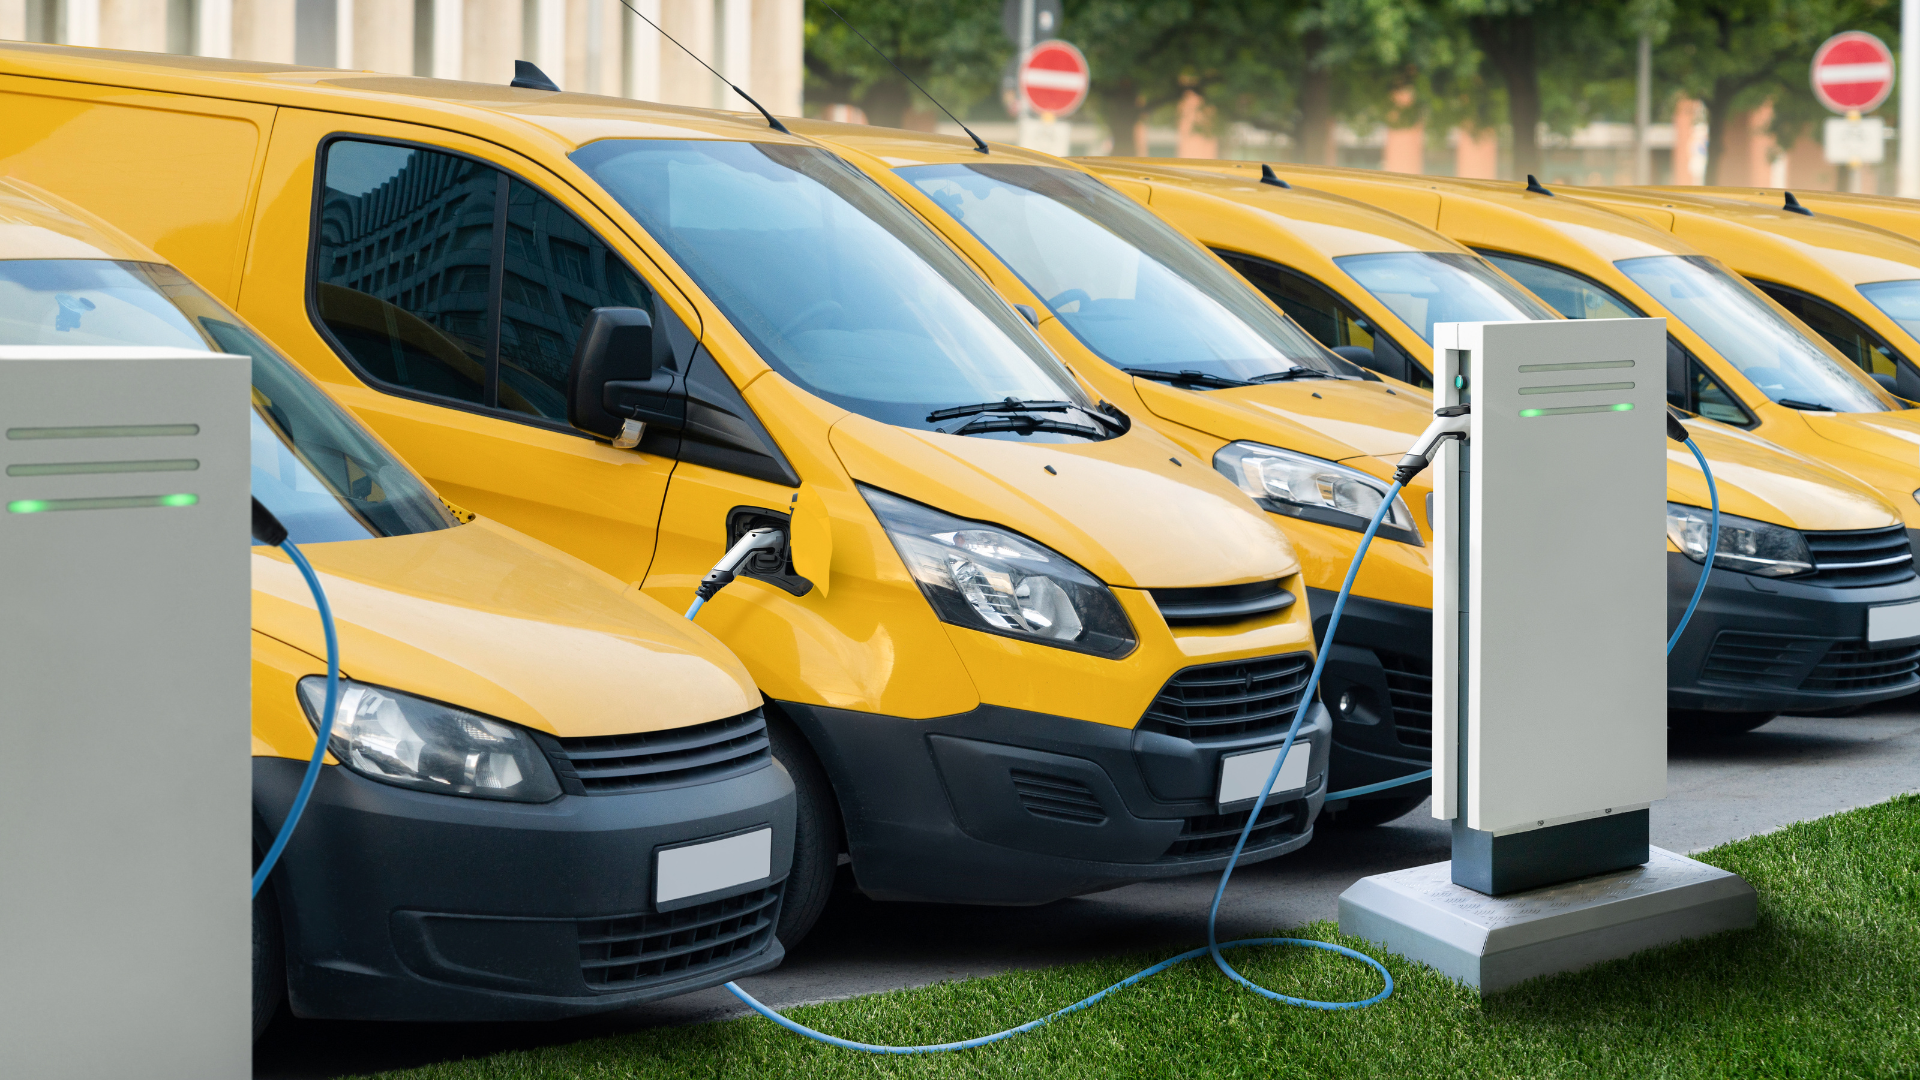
(1492, 943)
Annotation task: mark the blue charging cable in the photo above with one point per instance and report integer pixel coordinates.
(1713, 542)
(1214, 947)
(265, 527)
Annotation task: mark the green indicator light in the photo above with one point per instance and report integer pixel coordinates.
(1529, 412)
(26, 506)
(189, 500)
(118, 502)
(1459, 382)
(1570, 410)
(1623, 408)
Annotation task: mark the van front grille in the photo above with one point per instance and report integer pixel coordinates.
(655, 760)
(634, 950)
(1218, 605)
(1231, 699)
(1862, 557)
(1410, 684)
(1215, 834)
(1058, 798)
(1851, 665)
(1814, 665)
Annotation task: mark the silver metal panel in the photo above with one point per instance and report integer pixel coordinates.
(125, 826)
(1496, 942)
(1565, 582)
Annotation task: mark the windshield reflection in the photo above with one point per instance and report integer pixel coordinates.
(1428, 287)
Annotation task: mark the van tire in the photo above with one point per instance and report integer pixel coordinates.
(1367, 813)
(816, 833)
(1699, 723)
(269, 960)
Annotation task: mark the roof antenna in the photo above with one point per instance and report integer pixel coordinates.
(1268, 176)
(771, 122)
(1537, 187)
(977, 143)
(528, 76)
(1792, 206)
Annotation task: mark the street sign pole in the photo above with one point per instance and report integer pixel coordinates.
(1910, 99)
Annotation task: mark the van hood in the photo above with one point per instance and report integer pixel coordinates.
(1759, 480)
(485, 618)
(1135, 511)
(1891, 435)
(1334, 419)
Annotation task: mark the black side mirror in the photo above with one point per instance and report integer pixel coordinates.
(616, 346)
(1888, 383)
(1392, 365)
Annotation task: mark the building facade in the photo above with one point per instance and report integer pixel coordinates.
(593, 46)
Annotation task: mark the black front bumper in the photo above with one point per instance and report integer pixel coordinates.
(1378, 684)
(405, 905)
(1758, 645)
(1001, 806)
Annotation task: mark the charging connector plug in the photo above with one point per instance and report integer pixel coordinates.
(1449, 422)
(728, 567)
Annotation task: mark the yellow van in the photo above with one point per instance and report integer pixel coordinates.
(1166, 331)
(521, 740)
(1856, 285)
(1345, 270)
(1018, 649)
(1889, 212)
(1733, 354)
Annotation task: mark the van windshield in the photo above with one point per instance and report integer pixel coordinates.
(322, 474)
(1736, 320)
(1428, 287)
(836, 285)
(1131, 288)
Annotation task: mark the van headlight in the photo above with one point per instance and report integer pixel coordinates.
(400, 739)
(985, 578)
(1746, 545)
(1313, 489)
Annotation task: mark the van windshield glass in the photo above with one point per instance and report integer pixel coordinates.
(1735, 319)
(1899, 299)
(322, 474)
(1428, 287)
(836, 285)
(1126, 284)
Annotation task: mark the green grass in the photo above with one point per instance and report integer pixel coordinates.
(1827, 985)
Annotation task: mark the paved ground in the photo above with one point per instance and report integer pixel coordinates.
(1791, 770)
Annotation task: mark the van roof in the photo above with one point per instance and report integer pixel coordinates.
(36, 224)
(568, 120)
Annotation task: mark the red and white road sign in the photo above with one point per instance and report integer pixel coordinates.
(1852, 72)
(1053, 77)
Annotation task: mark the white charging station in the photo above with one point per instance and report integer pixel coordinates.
(1550, 608)
(124, 789)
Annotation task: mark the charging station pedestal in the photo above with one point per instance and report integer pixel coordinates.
(125, 786)
(1550, 687)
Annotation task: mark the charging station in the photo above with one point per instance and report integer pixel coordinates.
(1549, 616)
(124, 623)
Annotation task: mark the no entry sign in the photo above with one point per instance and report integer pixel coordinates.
(1053, 78)
(1852, 72)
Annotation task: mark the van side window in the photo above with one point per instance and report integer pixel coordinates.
(1570, 294)
(403, 262)
(557, 271)
(1331, 321)
(1692, 388)
(440, 275)
(1857, 343)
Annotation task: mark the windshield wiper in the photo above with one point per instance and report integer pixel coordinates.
(1189, 376)
(1291, 374)
(1025, 425)
(1803, 406)
(1004, 405)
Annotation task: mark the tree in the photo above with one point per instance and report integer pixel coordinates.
(1735, 55)
(1145, 54)
(957, 51)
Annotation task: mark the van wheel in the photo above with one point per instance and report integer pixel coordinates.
(1714, 725)
(269, 960)
(816, 833)
(1366, 813)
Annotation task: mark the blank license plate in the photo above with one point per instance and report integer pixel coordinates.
(1893, 623)
(712, 866)
(1242, 774)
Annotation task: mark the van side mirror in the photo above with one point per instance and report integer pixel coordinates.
(615, 346)
(1392, 365)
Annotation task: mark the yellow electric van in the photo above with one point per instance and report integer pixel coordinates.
(1019, 647)
(1856, 285)
(1349, 272)
(1889, 212)
(1165, 330)
(527, 751)
(1733, 354)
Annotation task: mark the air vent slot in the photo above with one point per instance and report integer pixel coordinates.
(1221, 604)
(1058, 798)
